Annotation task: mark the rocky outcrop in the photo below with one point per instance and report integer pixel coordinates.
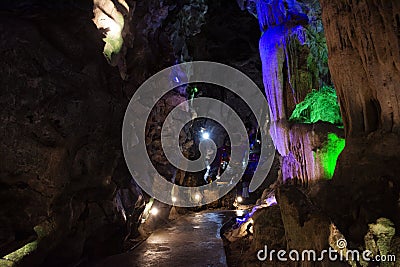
(302, 161)
(362, 38)
(304, 224)
(268, 229)
(114, 20)
(291, 66)
(293, 224)
(264, 229)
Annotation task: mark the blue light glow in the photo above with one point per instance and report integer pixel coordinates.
(270, 201)
(206, 135)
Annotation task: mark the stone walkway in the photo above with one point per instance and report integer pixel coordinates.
(192, 240)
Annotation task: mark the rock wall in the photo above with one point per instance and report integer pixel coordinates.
(363, 42)
(60, 105)
(64, 185)
(160, 30)
(364, 60)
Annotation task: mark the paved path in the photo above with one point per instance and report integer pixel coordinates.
(192, 240)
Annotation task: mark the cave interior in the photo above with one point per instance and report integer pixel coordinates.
(325, 72)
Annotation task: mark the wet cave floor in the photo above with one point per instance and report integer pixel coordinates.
(190, 240)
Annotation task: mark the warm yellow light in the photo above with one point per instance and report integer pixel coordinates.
(154, 211)
(122, 2)
(197, 197)
(239, 199)
(174, 199)
(114, 29)
(251, 229)
(107, 17)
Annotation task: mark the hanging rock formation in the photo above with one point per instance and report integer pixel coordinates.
(294, 63)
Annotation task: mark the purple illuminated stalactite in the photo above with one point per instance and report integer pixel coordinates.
(272, 57)
(273, 52)
(282, 22)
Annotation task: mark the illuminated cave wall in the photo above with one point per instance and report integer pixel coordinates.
(113, 19)
(108, 18)
(363, 42)
(319, 105)
(329, 153)
(66, 193)
(298, 87)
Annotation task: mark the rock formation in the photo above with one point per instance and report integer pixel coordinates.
(291, 31)
(60, 105)
(363, 43)
(362, 40)
(66, 196)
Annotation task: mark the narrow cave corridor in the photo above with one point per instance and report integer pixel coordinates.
(200, 133)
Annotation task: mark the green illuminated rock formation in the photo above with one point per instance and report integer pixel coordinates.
(329, 153)
(321, 105)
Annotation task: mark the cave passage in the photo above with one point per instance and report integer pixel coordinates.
(289, 108)
(191, 240)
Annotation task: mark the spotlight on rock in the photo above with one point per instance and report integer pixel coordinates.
(240, 213)
(154, 211)
(197, 197)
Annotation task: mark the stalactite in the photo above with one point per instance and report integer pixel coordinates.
(285, 41)
(289, 66)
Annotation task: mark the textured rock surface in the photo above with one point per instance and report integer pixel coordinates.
(364, 58)
(303, 140)
(268, 229)
(289, 27)
(364, 61)
(60, 105)
(62, 168)
(362, 38)
(304, 224)
(295, 223)
(160, 31)
(290, 32)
